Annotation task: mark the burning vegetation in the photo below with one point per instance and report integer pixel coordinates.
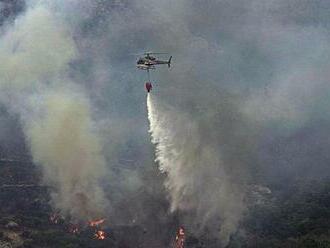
(74, 229)
(37, 225)
(94, 226)
(100, 235)
(180, 238)
(95, 223)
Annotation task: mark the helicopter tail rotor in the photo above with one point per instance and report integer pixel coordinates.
(169, 62)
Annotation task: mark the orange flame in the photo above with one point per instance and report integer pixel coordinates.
(96, 222)
(100, 235)
(180, 238)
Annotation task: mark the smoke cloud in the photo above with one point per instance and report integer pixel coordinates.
(36, 52)
(63, 142)
(37, 48)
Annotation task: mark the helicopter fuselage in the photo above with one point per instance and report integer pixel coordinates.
(149, 62)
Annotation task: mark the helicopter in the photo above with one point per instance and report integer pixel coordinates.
(149, 62)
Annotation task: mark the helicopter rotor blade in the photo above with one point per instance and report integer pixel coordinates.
(136, 54)
(154, 53)
(145, 53)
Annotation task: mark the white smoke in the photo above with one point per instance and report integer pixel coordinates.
(63, 142)
(35, 49)
(56, 115)
(196, 178)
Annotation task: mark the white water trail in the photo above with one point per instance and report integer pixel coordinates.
(196, 180)
(170, 152)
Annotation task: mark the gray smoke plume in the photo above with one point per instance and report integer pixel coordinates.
(56, 115)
